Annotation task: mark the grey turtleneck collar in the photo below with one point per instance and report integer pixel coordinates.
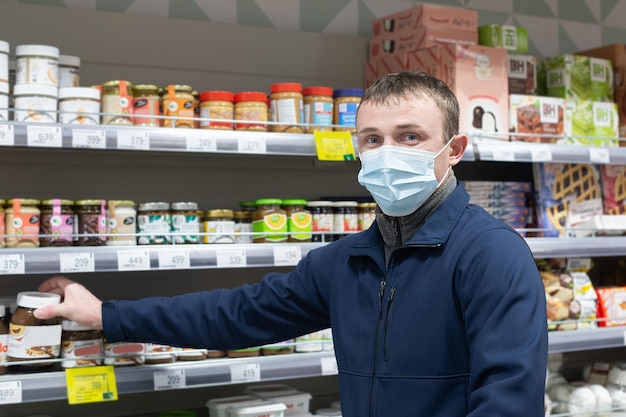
(396, 231)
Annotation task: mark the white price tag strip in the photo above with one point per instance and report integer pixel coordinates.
(77, 262)
(174, 259)
(249, 372)
(165, 380)
(48, 136)
(10, 392)
(251, 145)
(231, 258)
(95, 139)
(7, 137)
(12, 264)
(329, 366)
(133, 260)
(199, 144)
(287, 255)
(133, 139)
(540, 154)
(506, 155)
(599, 155)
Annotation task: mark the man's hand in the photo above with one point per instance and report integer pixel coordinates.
(78, 304)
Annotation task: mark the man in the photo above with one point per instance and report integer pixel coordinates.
(436, 310)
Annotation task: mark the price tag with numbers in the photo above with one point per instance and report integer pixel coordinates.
(506, 155)
(247, 372)
(48, 136)
(231, 258)
(10, 392)
(90, 385)
(133, 139)
(174, 259)
(7, 137)
(599, 155)
(540, 154)
(95, 139)
(133, 260)
(201, 144)
(285, 255)
(329, 365)
(174, 379)
(334, 146)
(252, 144)
(12, 264)
(77, 262)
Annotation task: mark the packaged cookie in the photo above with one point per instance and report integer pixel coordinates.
(614, 188)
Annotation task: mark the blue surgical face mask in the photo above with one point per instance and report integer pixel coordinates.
(400, 179)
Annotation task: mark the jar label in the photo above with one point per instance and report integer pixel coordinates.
(187, 224)
(323, 222)
(4, 109)
(4, 348)
(320, 114)
(34, 342)
(219, 231)
(347, 114)
(69, 77)
(300, 225)
(348, 222)
(83, 353)
(159, 352)
(79, 111)
(365, 220)
(272, 227)
(124, 354)
(60, 226)
(35, 109)
(157, 226)
(240, 232)
(144, 110)
(252, 114)
(286, 111)
(2, 228)
(4, 67)
(216, 113)
(36, 70)
(309, 342)
(24, 226)
(122, 223)
(178, 107)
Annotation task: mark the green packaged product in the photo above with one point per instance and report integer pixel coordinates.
(577, 77)
(511, 38)
(591, 123)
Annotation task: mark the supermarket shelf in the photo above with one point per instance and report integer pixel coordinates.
(586, 339)
(577, 247)
(48, 386)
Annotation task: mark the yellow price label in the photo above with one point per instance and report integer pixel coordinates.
(90, 385)
(334, 146)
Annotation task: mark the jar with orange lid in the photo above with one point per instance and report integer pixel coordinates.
(250, 107)
(216, 106)
(146, 105)
(22, 218)
(269, 221)
(299, 220)
(318, 109)
(57, 223)
(286, 107)
(347, 102)
(117, 103)
(178, 106)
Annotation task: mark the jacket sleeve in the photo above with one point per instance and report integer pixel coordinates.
(503, 302)
(280, 307)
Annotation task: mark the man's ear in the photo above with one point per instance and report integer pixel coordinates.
(457, 148)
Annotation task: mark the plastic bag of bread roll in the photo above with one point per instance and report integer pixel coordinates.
(559, 395)
(582, 402)
(617, 374)
(604, 402)
(618, 396)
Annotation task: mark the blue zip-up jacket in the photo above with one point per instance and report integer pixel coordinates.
(454, 326)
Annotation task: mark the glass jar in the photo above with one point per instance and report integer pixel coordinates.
(4, 339)
(215, 106)
(178, 106)
(22, 218)
(299, 222)
(37, 65)
(2, 224)
(57, 223)
(322, 220)
(29, 337)
(191, 354)
(251, 106)
(79, 105)
(366, 214)
(286, 107)
(220, 226)
(248, 206)
(347, 102)
(311, 342)
(345, 218)
(35, 103)
(146, 105)
(90, 222)
(81, 346)
(243, 226)
(156, 353)
(117, 102)
(122, 223)
(124, 353)
(185, 220)
(269, 221)
(69, 71)
(318, 109)
(154, 221)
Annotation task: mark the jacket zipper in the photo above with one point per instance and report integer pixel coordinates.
(387, 329)
(381, 295)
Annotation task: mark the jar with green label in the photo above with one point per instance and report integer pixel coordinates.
(153, 223)
(299, 220)
(269, 221)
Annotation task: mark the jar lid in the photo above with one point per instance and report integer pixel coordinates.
(89, 202)
(179, 88)
(318, 91)
(43, 50)
(34, 90)
(183, 205)
(286, 87)
(4, 88)
(73, 326)
(367, 205)
(216, 96)
(152, 206)
(319, 203)
(116, 83)
(216, 213)
(69, 60)
(294, 202)
(4, 46)
(251, 96)
(267, 201)
(79, 92)
(348, 92)
(35, 299)
(56, 201)
(122, 203)
(243, 215)
(149, 88)
(247, 205)
(345, 204)
(2, 202)
(24, 201)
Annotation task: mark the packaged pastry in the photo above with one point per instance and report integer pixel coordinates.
(535, 115)
(614, 188)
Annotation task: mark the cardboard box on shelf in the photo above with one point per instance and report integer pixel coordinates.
(578, 77)
(616, 53)
(522, 74)
(536, 115)
(620, 100)
(431, 15)
(511, 38)
(370, 73)
(591, 123)
(427, 60)
(391, 63)
(418, 38)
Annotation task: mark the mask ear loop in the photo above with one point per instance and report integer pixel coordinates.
(449, 167)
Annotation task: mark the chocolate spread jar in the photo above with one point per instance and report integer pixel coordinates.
(31, 338)
(81, 346)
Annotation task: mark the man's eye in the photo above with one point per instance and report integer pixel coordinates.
(411, 138)
(372, 139)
